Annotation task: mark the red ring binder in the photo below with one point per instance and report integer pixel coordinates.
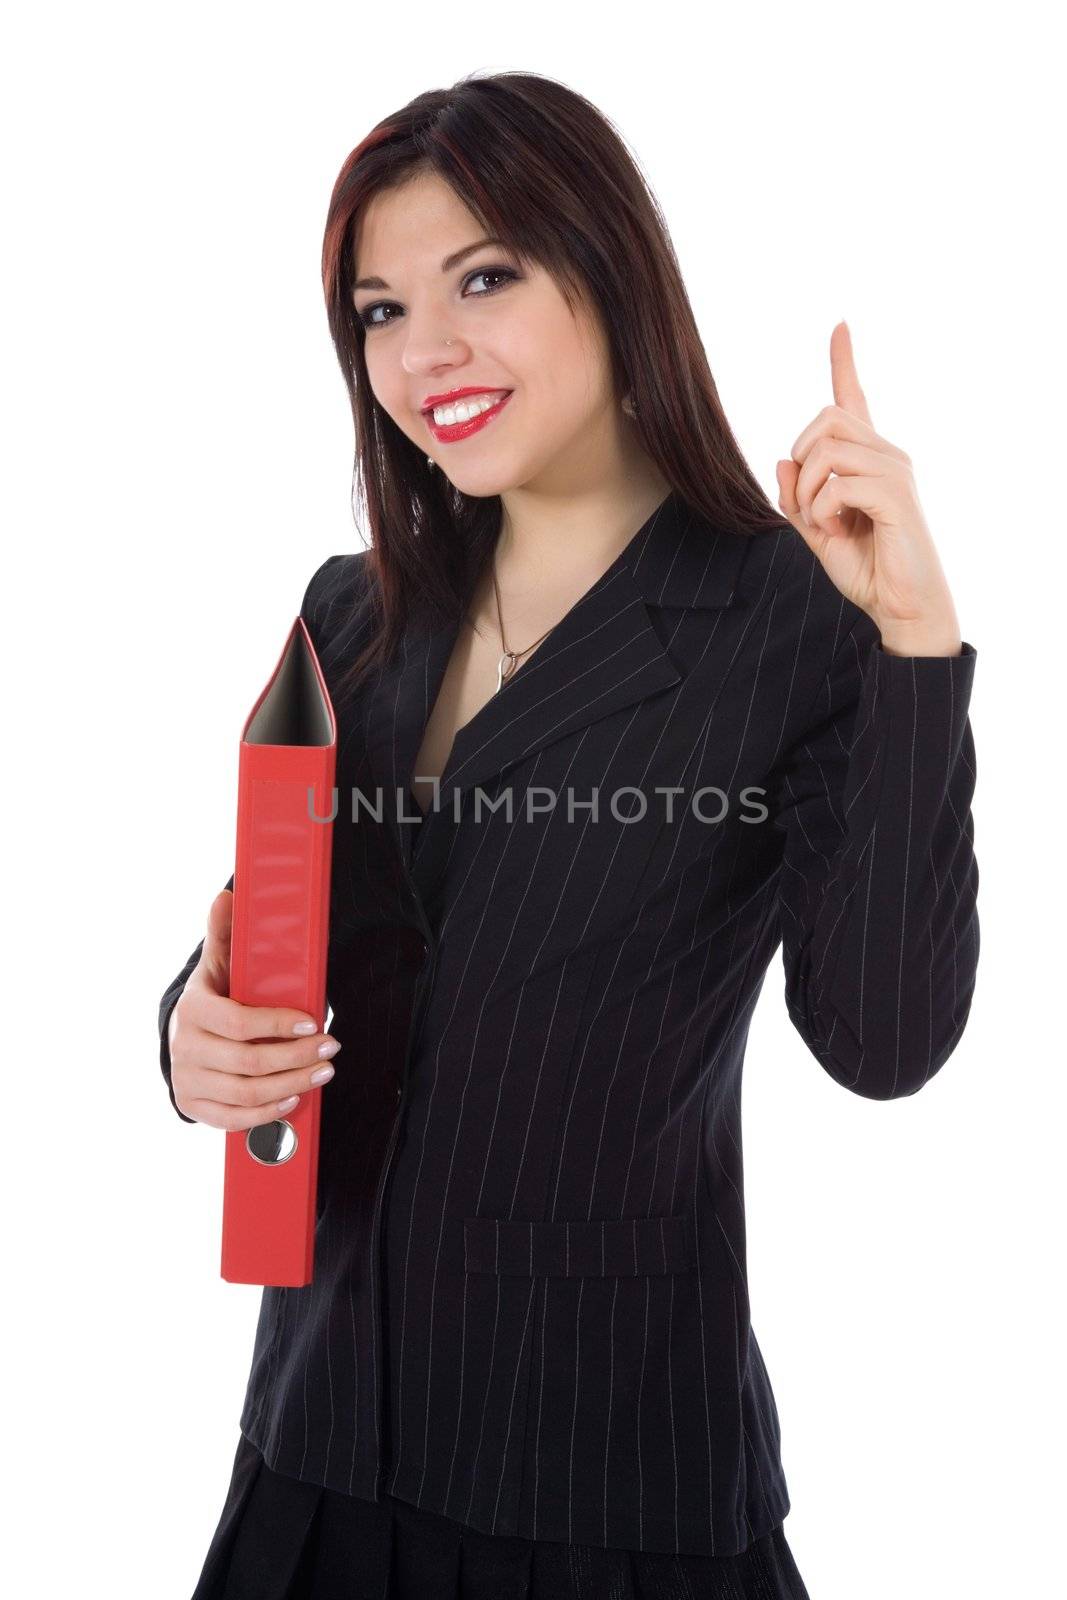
(278, 952)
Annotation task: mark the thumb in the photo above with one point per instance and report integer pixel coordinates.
(788, 473)
(215, 956)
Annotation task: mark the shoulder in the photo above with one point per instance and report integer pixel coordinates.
(339, 612)
(807, 604)
(343, 576)
(334, 592)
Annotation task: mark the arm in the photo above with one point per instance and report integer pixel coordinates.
(170, 999)
(879, 879)
(311, 612)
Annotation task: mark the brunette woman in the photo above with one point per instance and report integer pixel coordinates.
(612, 730)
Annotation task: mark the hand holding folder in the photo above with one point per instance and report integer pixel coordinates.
(281, 917)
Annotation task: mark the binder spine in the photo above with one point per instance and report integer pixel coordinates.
(278, 956)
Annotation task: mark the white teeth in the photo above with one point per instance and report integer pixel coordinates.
(448, 416)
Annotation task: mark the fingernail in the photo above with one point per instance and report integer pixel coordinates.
(287, 1105)
(304, 1027)
(322, 1075)
(330, 1048)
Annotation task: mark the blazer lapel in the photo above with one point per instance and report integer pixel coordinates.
(603, 655)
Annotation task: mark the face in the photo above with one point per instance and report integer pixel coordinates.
(450, 312)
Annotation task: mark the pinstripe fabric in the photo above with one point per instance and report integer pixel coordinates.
(282, 1539)
(530, 1311)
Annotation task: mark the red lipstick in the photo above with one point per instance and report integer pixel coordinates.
(462, 430)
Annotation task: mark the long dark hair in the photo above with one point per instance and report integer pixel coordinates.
(545, 172)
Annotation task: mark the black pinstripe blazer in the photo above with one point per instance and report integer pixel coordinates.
(530, 1309)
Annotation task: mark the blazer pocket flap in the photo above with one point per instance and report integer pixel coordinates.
(624, 1247)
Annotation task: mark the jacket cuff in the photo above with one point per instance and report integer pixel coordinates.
(905, 972)
(170, 1000)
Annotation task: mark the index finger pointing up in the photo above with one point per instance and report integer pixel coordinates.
(847, 392)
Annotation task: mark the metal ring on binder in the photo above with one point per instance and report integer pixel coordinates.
(271, 1143)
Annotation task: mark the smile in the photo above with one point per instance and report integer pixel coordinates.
(451, 423)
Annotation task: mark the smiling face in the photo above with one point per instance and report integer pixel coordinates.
(444, 317)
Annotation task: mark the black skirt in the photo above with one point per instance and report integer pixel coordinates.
(280, 1538)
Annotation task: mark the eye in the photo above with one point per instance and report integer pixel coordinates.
(506, 274)
(366, 316)
(492, 272)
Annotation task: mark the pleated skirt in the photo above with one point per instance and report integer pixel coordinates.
(279, 1538)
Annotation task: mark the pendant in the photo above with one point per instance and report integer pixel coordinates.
(503, 672)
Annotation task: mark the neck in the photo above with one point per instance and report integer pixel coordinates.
(546, 535)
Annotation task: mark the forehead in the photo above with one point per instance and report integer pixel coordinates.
(413, 225)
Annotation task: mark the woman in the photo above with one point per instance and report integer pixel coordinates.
(610, 730)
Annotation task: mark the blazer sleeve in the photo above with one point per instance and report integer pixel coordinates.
(879, 880)
(311, 609)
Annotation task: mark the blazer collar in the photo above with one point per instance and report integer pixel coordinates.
(603, 655)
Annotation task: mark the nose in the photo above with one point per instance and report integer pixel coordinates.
(427, 350)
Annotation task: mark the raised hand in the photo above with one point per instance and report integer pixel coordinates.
(851, 496)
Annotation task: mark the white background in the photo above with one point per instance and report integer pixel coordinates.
(178, 463)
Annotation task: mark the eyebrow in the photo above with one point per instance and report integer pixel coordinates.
(446, 265)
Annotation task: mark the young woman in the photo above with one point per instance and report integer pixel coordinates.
(611, 730)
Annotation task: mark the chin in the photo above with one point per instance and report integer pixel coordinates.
(482, 485)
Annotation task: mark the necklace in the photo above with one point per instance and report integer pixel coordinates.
(509, 660)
